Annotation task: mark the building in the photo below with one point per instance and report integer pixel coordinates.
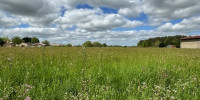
(8, 44)
(55, 45)
(39, 45)
(24, 45)
(171, 46)
(190, 42)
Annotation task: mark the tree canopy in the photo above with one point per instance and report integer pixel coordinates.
(35, 40)
(161, 41)
(69, 45)
(97, 44)
(87, 44)
(6, 39)
(1, 42)
(27, 39)
(17, 40)
(46, 42)
(104, 45)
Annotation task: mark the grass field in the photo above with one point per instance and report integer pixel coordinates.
(99, 73)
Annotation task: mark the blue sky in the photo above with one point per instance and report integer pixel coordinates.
(115, 22)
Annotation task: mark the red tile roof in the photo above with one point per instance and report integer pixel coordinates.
(191, 37)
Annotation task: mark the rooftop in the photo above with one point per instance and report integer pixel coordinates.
(191, 37)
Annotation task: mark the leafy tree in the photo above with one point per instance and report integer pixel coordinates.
(164, 41)
(87, 44)
(35, 40)
(162, 45)
(96, 44)
(6, 39)
(140, 43)
(1, 42)
(46, 42)
(27, 39)
(176, 42)
(69, 45)
(17, 40)
(144, 44)
(157, 44)
(104, 45)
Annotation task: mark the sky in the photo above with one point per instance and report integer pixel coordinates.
(114, 22)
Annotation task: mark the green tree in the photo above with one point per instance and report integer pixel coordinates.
(6, 39)
(96, 44)
(162, 45)
(35, 40)
(17, 40)
(104, 45)
(27, 39)
(176, 42)
(87, 44)
(144, 44)
(140, 43)
(157, 43)
(69, 45)
(1, 42)
(46, 42)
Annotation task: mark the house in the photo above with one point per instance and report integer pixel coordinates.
(190, 42)
(171, 46)
(39, 45)
(55, 45)
(24, 45)
(8, 44)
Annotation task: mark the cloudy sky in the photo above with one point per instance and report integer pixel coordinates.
(115, 22)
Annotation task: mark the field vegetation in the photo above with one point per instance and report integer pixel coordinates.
(99, 73)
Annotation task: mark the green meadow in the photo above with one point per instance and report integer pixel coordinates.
(110, 73)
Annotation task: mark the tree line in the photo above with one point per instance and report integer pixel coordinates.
(18, 40)
(33, 40)
(93, 44)
(161, 41)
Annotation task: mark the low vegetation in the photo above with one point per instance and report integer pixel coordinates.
(99, 73)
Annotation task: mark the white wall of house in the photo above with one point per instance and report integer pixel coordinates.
(193, 43)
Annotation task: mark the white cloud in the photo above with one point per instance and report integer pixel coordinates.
(133, 10)
(187, 25)
(34, 13)
(166, 10)
(94, 20)
(8, 21)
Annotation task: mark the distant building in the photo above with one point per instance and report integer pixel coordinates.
(55, 45)
(38, 45)
(171, 46)
(24, 45)
(190, 42)
(8, 44)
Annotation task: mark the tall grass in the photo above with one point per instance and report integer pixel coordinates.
(99, 73)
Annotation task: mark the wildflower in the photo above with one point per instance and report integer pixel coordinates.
(9, 59)
(27, 98)
(28, 86)
(172, 97)
(175, 90)
(26, 90)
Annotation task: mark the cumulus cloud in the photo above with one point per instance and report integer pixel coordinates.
(187, 25)
(94, 20)
(35, 13)
(133, 10)
(8, 21)
(166, 10)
